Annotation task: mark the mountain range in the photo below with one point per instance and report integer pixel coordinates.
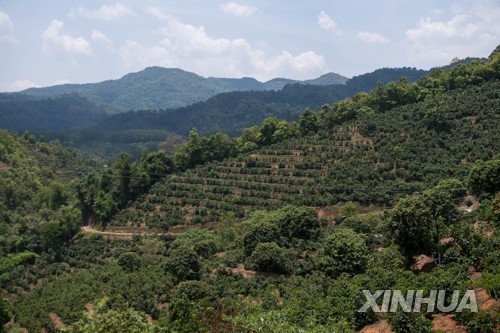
(92, 117)
(167, 88)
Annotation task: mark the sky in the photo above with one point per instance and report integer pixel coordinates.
(50, 42)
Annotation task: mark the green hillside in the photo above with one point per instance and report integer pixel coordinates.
(164, 88)
(19, 112)
(37, 203)
(374, 159)
(234, 111)
(227, 112)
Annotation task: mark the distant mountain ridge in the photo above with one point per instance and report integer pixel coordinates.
(231, 112)
(168, 88)
(75, 119)
(80, 122)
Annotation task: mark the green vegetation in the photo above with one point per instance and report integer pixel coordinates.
(19, 112)
(278, 230)
(167, 88)
(372, 160)
(58, 116)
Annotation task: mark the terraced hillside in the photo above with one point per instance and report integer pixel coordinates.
(373, 160)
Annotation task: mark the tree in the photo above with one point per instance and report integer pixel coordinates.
(124, 170)
(219, 147)
(86, 190)
(348, 209)
(183, 263)
(251, 134)
(195, 148)
(51, 236)
(103, 207)
(409, 322)
(4, 313)
(299, 223)
(308, 122)
(343, 251)
(126, 321)
(139, 180)
(267, 129)
(129, 261)
(264, 232)
(270, 257)
(157, 165)
(418, 223)
(191, 290)
(452, 186)
(285, 130)
(484, 178)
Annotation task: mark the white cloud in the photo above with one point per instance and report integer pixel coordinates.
(436, 11)
(105, 12)
(327, 23)
(18, 85)
(238, 9)
(6, 25)
(101, 37)
(191, 48)
(52, 37)
(135, 55)
(6, 29)
(372, 37)
(286, 63)
(471, 31)
(156, 12)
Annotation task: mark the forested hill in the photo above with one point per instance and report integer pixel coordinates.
(167, 88)
(36, 200)
(20, 112)
(368, 81)
(373, 158)
(398, 139)
(227, 112)
(234, 111)
(162, 88)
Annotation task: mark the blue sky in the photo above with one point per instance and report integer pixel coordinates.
(67, 41)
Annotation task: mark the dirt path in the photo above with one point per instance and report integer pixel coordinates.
(89, 230)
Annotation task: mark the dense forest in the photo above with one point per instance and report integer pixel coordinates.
(279, 229)
(19, 112)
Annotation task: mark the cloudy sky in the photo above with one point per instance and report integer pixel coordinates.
(67, 41)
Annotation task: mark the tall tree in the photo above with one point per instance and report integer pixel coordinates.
(308, 122)
(124, 171)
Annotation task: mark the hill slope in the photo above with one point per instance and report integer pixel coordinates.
(19, 112)
(227, 112)
(371, 160)
(166, 88)
(234, 111)
(37, 205)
